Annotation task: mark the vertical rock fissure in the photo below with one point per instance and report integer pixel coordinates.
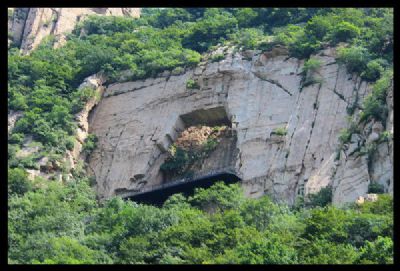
(113, 152)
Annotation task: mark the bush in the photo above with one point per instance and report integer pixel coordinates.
(16, 138)
(70, 143)
(344, 31)
(90, 143)
(191, 84)
(321, 199)
(217, 57)
(280, 131)
(345, 134)
(376, 188)
(311, 65)
(18, 183)
(177, 162)
(373, 71)
(379, 251)
(355, 58)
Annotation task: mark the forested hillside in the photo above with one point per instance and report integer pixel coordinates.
(56, 222)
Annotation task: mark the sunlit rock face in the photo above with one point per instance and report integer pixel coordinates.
(29, 26)
(286, 135)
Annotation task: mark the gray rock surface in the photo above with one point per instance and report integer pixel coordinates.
(29, 26)
(137, 121)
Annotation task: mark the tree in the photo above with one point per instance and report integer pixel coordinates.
(18, 183)
(379, 251)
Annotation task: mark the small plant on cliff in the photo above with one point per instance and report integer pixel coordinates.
(280, 131)
(309, 69)
(192, 84)
(345, 134)
(374, 104)
(177, 162)
(90, 144)
(217, 57)
(311, 65)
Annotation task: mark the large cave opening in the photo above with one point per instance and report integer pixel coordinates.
(201, 154)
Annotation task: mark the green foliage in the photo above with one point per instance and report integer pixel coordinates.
(376, 188)
(355, 58)
(321, 199)
(345, 134)
(344, 31)
(384, 205)
(55, 223)
(18, 183)
(192, 84)
(248, 38)
(311, 65)
(70, 143)
(16, 138)
(217, 57)
(178, 161)
(321, 251)
(220, 197)
(64, 224)
(374, 104)
(379, 251)
(373, 70)
(90, 143)
(280, 131)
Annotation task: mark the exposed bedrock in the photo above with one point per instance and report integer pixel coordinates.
(258, 95)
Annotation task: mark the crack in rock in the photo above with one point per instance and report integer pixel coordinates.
(274, 82)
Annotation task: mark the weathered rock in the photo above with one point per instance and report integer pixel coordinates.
(13, 116)
(137, 121)
(371, 197)
(31, 25)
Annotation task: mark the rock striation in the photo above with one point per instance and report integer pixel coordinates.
(259, 94)
(29, 26)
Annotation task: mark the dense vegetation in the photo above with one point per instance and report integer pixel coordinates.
(52, 222)
(55, 223)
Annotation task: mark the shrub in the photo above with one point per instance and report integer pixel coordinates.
(380, 251)
(322, 198)
(345, 134)
(248, 38)
(344, 31)
(16, 138)
(70, 143)
(192, 84)
(373, 71)
(303, 47)
(374, 104)
(217, 57)
(376, 188)
(318, 27)
(18, 183)
(90, 143)
(280, 131)
(177, 162)
(311, 65)
(355, 58)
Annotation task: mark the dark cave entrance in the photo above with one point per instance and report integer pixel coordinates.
(198, 128)
(159, 195)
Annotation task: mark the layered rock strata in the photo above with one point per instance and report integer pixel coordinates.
(260, 93)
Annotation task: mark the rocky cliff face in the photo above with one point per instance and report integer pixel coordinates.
(286, 133)
(29, 26)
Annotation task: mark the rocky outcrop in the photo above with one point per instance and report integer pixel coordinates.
(13, 116)
(29, 26)
(137, 121)
(52, 170)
